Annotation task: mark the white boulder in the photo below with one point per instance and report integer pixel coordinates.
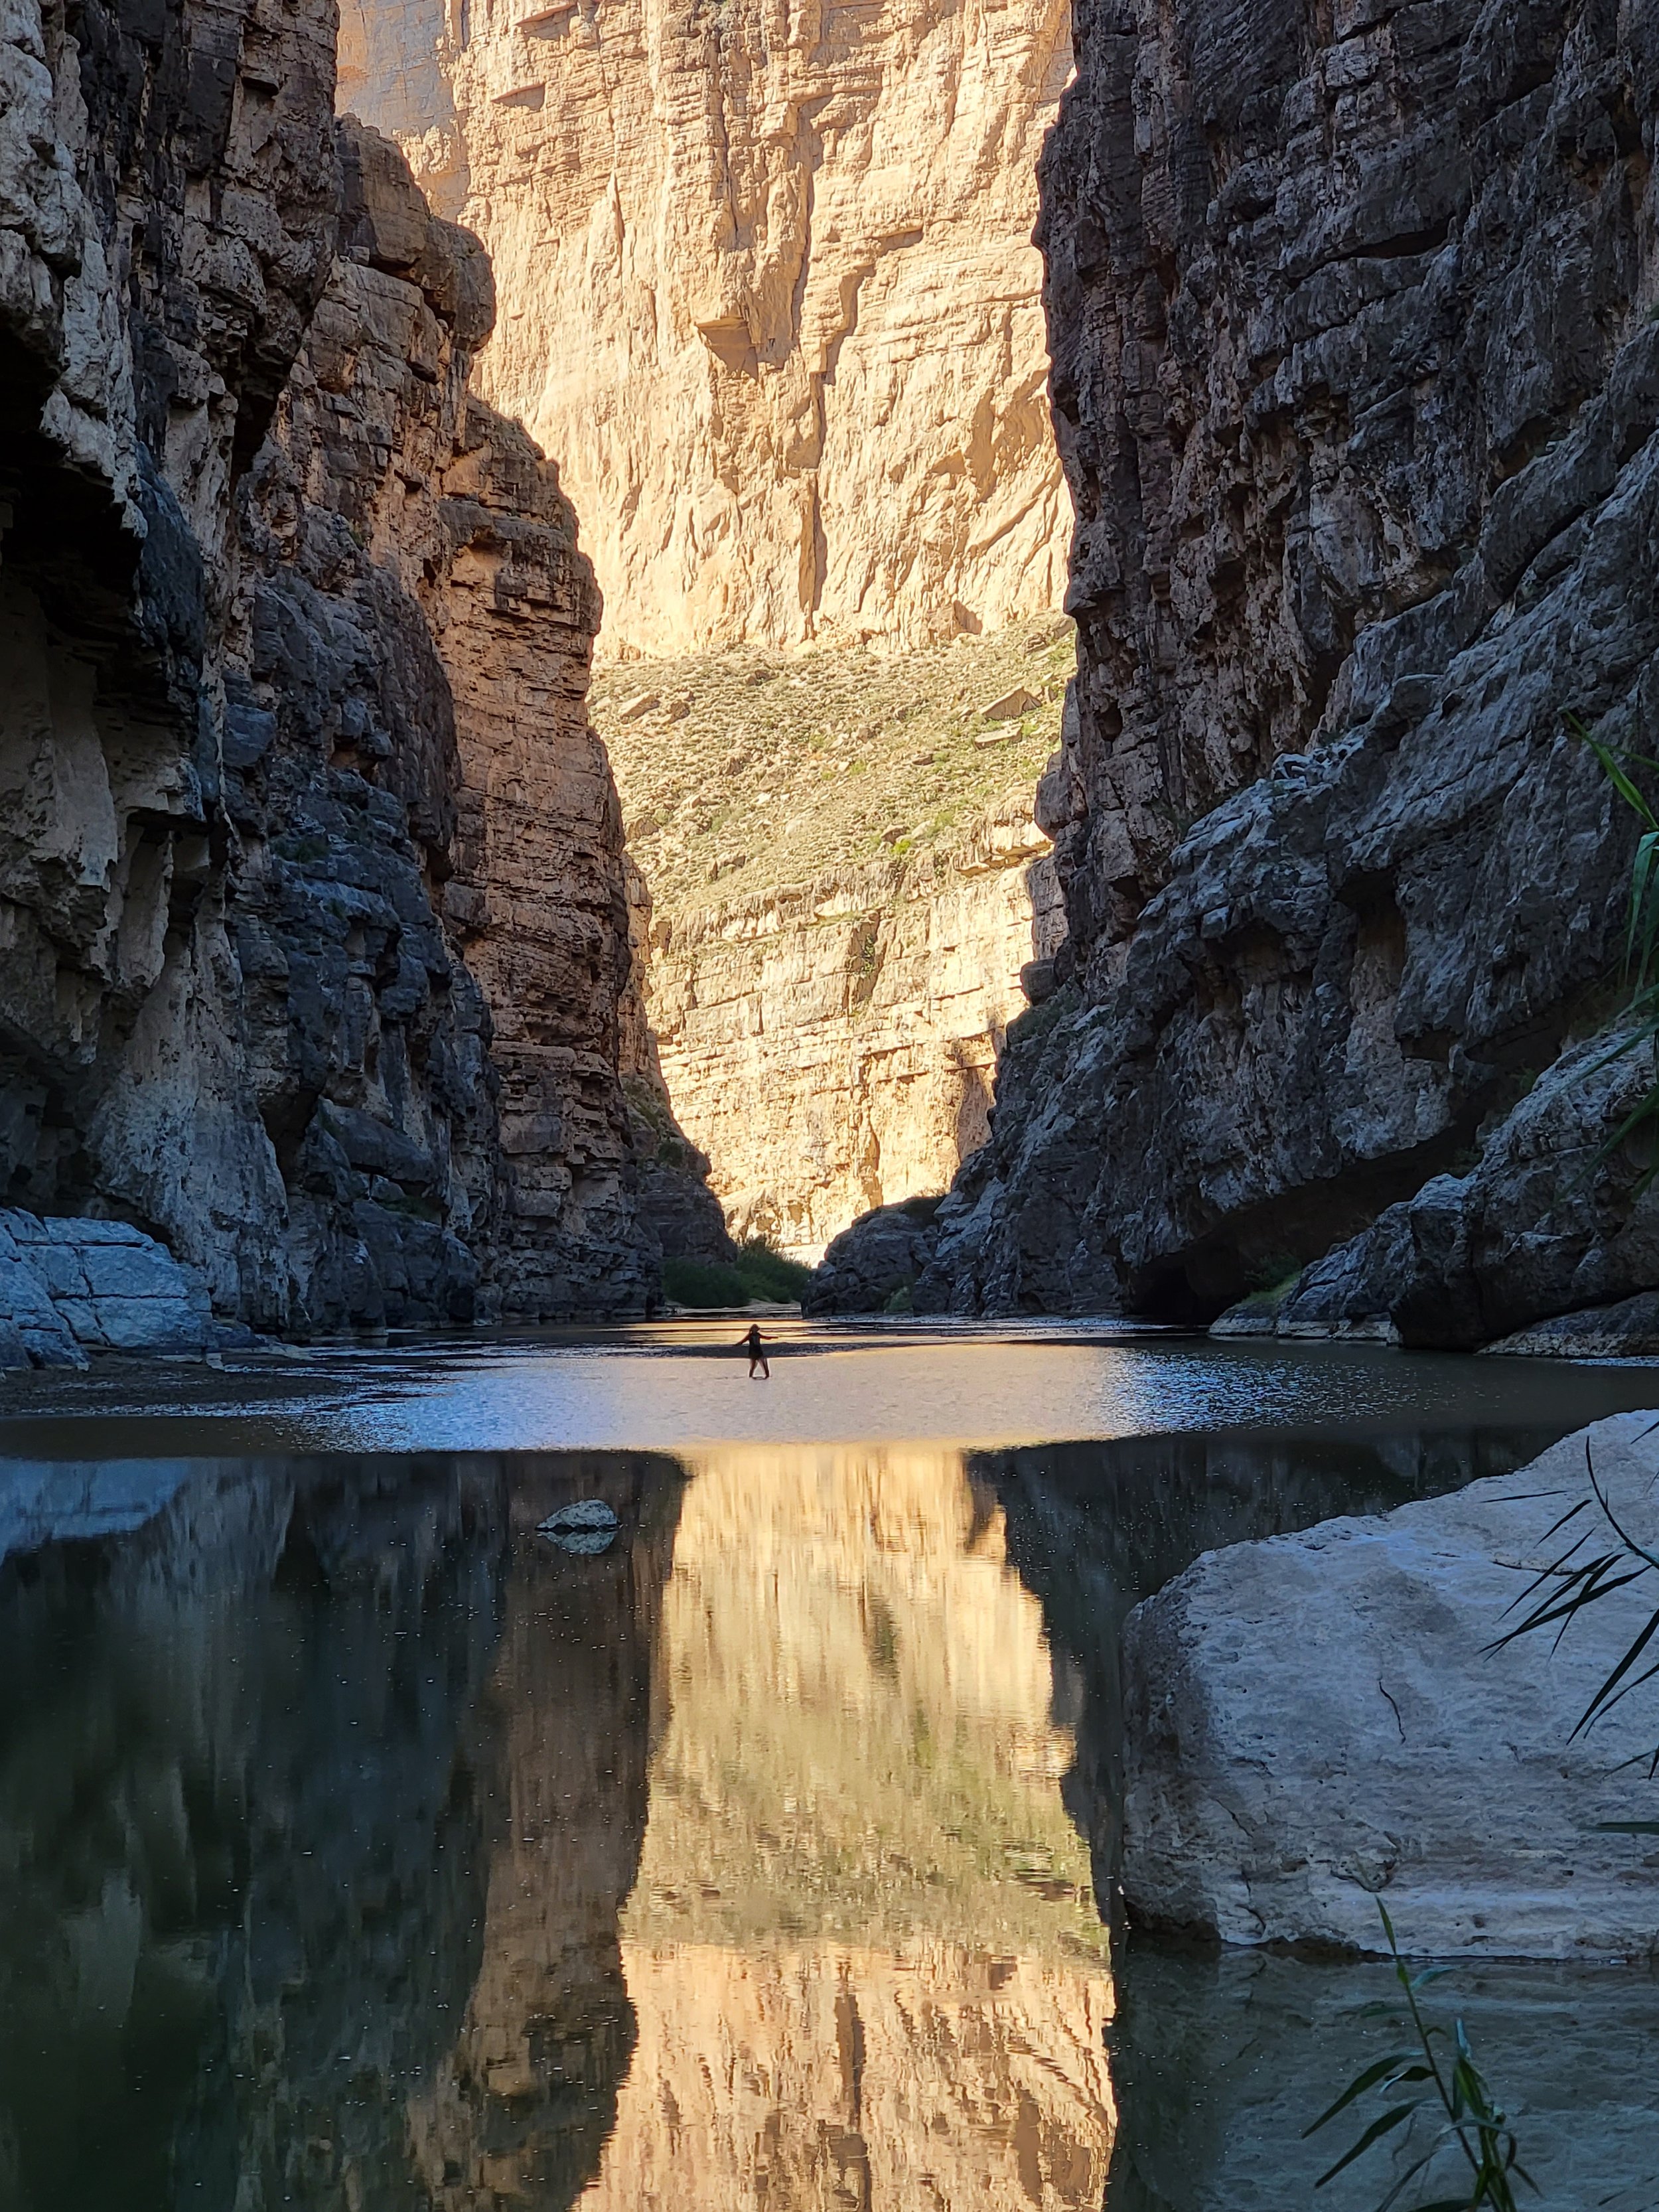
(1317, 1721)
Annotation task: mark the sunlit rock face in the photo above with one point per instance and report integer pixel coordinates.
(862, 1949)
(768, 289)
(835, 1047)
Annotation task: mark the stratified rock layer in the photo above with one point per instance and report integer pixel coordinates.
(769, 293)
(418, 625)
(1357, 387)
(300, 637)
(1318, 1721)
(834, 1047)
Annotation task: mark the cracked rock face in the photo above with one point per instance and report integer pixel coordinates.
(767, 290)
(429, 907)
(1358, 388)
(284, 607)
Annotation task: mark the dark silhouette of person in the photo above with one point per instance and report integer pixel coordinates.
(754, 1344)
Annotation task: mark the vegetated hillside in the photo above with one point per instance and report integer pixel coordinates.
(847, 882)
(743, 771)
(1356, 377)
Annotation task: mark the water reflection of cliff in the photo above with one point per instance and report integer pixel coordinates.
(522, 2103)
(268, 1767)
(862, 1950)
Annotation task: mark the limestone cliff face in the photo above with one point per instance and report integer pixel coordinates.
(769, 293)
(417, 624)
(835, 1047)
(286, 611)
(1357, 385)
(167, 218)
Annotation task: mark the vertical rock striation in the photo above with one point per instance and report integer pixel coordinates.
(417, 629)
(833, 1047)
(300, 639)
(1357, 385)
(769, 293)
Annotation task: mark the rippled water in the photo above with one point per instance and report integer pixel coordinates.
(361, 1847)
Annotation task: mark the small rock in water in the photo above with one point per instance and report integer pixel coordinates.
(589, 1526)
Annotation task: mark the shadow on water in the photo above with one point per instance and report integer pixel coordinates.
(271, 1768)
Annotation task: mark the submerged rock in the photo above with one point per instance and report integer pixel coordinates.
(1318, 1721)
(587, 1526)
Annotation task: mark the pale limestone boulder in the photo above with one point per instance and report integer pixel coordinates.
(1317, 1722)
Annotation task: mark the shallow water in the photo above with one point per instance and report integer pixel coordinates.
(361, 1847)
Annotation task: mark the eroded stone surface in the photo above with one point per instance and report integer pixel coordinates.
(244, 599)
(1316, 1721)
(1357, 388)
(769, 293)
(835, 1046)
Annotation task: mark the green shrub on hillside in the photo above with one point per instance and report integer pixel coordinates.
(770, 1273)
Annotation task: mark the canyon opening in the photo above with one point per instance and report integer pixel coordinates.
(829, 1261)
(766, 289)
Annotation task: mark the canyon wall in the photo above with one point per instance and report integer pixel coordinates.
(841, 884)
(302, 641)
(768, 293)
(400, 534)
(1357, 385)
(834, 1047)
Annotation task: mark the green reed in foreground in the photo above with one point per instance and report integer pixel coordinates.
(1432, 2074)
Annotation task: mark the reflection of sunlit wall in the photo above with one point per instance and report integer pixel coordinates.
(523, 2101)
(862, 1948)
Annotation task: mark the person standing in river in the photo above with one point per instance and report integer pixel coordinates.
(754, 1344)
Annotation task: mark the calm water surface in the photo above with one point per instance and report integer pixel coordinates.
(361, 1848)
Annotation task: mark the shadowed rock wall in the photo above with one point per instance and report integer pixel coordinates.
(299, 647)
(1357, 385)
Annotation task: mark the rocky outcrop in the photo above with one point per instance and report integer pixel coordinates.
(1280, 1779)
(835, 1046)
(769, 293)
(1357, 388)
(67, 1286)
(287, 611)
(1542, 1227)
(433, 842)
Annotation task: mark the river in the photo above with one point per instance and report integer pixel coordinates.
(362, 1847)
